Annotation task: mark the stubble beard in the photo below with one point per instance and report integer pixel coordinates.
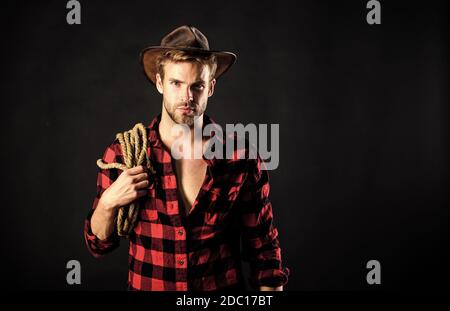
(182, 118)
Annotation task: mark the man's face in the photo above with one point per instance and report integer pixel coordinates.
(185, 89)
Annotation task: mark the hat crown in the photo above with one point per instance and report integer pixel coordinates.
(186, 37)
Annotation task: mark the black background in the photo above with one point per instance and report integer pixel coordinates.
(363, 114)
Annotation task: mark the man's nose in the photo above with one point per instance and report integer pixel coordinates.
(187, 94)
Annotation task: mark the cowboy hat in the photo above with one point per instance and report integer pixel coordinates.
(184, 38)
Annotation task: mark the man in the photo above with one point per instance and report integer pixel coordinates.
(201, 216)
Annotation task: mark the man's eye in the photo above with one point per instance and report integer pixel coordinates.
(176, 83)
(200, 87)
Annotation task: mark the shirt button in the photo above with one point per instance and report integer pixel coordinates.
(180, 232)
(181, 262)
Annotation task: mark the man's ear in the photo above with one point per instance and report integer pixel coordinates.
(212, 83)
(159, 85)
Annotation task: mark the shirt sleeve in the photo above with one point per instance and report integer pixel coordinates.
(105, 178)
(260, 244)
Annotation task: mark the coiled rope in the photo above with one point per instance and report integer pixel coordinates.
(134, 151)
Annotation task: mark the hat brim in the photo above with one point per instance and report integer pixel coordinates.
(149, 55)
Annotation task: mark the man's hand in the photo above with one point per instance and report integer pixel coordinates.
(129, 186)
(271, 289)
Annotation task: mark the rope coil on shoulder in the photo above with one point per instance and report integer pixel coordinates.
(134, 151)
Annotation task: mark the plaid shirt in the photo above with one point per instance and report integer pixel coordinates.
(231, 220)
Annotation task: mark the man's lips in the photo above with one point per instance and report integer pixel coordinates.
(185, 109)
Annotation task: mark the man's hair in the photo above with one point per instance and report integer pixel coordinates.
(186, 56)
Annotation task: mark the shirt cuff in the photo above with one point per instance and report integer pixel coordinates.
(98, 247)
(271, 278)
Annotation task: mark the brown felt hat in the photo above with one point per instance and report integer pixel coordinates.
(184, 38)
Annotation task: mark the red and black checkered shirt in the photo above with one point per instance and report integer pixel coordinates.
(231, 220)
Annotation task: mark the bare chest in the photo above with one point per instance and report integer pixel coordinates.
(190, 177)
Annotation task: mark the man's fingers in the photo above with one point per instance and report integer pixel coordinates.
(140, 177)
(142, 184)
(136, 170)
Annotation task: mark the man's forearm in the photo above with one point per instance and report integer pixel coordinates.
(102, 221)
